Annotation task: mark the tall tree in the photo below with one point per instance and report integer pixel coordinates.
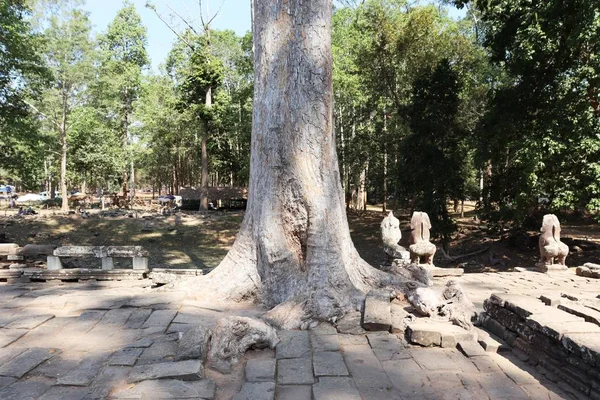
(122, 59)
(21, 72)
(67, 53)
(294, 247)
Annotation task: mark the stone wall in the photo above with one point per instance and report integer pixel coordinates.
(563, 346)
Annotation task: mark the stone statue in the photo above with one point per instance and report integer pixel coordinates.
(421, 249)
(391, 235)
(553, 252)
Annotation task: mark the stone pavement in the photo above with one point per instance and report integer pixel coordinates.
(118, 340)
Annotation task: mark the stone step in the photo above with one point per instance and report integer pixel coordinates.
(83, 274)
(432, 333)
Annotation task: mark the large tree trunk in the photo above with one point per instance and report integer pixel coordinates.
(294, 245)
(204, 174)
(63, 157)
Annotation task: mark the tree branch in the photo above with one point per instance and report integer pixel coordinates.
(34, 108)
(153, 8)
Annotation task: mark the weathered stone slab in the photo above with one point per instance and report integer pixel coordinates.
(432, 333)
(260, 370)
(256, 391)
(183, 370)
(30, 250)
(137, 318)
(127, 356)
(194, 344)
(160, 318)
(366, 370)
(80, 251)
(293, 344)
(330, 388)
(10, 274)
(8, 248)
(377, 315)
(72, 274)
(83, 374)
(162, 276)
(585, 345)
(294, 371)
(169, 389)
(325, 342)
(586, 313)
(400, 318)
(159, 352)
(556, 330)
(329, 363)
(294, 392)
(14, 257)
(25, 362)
(324, 328)
(471, 349)
(144, 342)
(7, 354)
(66, 393)
(126, 251)
(551, 315)
(30, 321)
(350, 324)
(24, 390)
(387, 346)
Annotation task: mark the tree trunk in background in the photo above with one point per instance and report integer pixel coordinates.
(204, 177)
(63, 158)
(294, 245)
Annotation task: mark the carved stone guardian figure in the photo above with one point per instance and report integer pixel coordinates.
(391, 235)
(553, 252)
(421, 249)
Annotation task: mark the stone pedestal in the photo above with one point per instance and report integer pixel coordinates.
(140, 263)
(107, 263)
(53, 263)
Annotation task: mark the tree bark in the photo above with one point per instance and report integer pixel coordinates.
(204, 176)
(63, 157)
(294, 244)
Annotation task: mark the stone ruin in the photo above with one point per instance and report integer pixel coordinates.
(421, 249)
(553, 252)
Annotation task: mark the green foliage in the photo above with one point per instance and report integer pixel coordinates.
(540, 137)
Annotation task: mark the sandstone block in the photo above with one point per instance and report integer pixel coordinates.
(377, 315)
(183, 370)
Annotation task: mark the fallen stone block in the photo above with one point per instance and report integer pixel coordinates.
(188, 370)
(471, 349)
(377, 314)
(431, 333)
(350, 324)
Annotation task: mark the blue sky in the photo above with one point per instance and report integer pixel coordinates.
(233, 14)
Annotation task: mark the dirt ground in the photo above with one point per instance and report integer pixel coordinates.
(194, 240)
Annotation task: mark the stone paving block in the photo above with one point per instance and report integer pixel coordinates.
(158, 352)
(137, 318)
(329, 363)
(25, 362)
(406, 377)
(6, 381)
(556, 330)
(471, 349)
(184, 370)
(115, 318)
(256, 391)
(551, 315)
(387, 346)
(485, 364)
(160, 318)
(462, 363)
(377, 315)
(325, 342)
(169, 389)
(446, 384)
(323, 328)
(30, 321)
(329, 388)
(144, 342)
(8, 336)
(175, 327)
(24, 390)
(7, 354)
(474, 388)
(433, 359)
(126, 356)
(367, 372)
(293, 344)
(500, 387)
(260, 370)
(293, 392)
(551, 300)
(66, 393)
(352, 340)
(85, 372)
(351, 324)
(108, 379)
(294, 371)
